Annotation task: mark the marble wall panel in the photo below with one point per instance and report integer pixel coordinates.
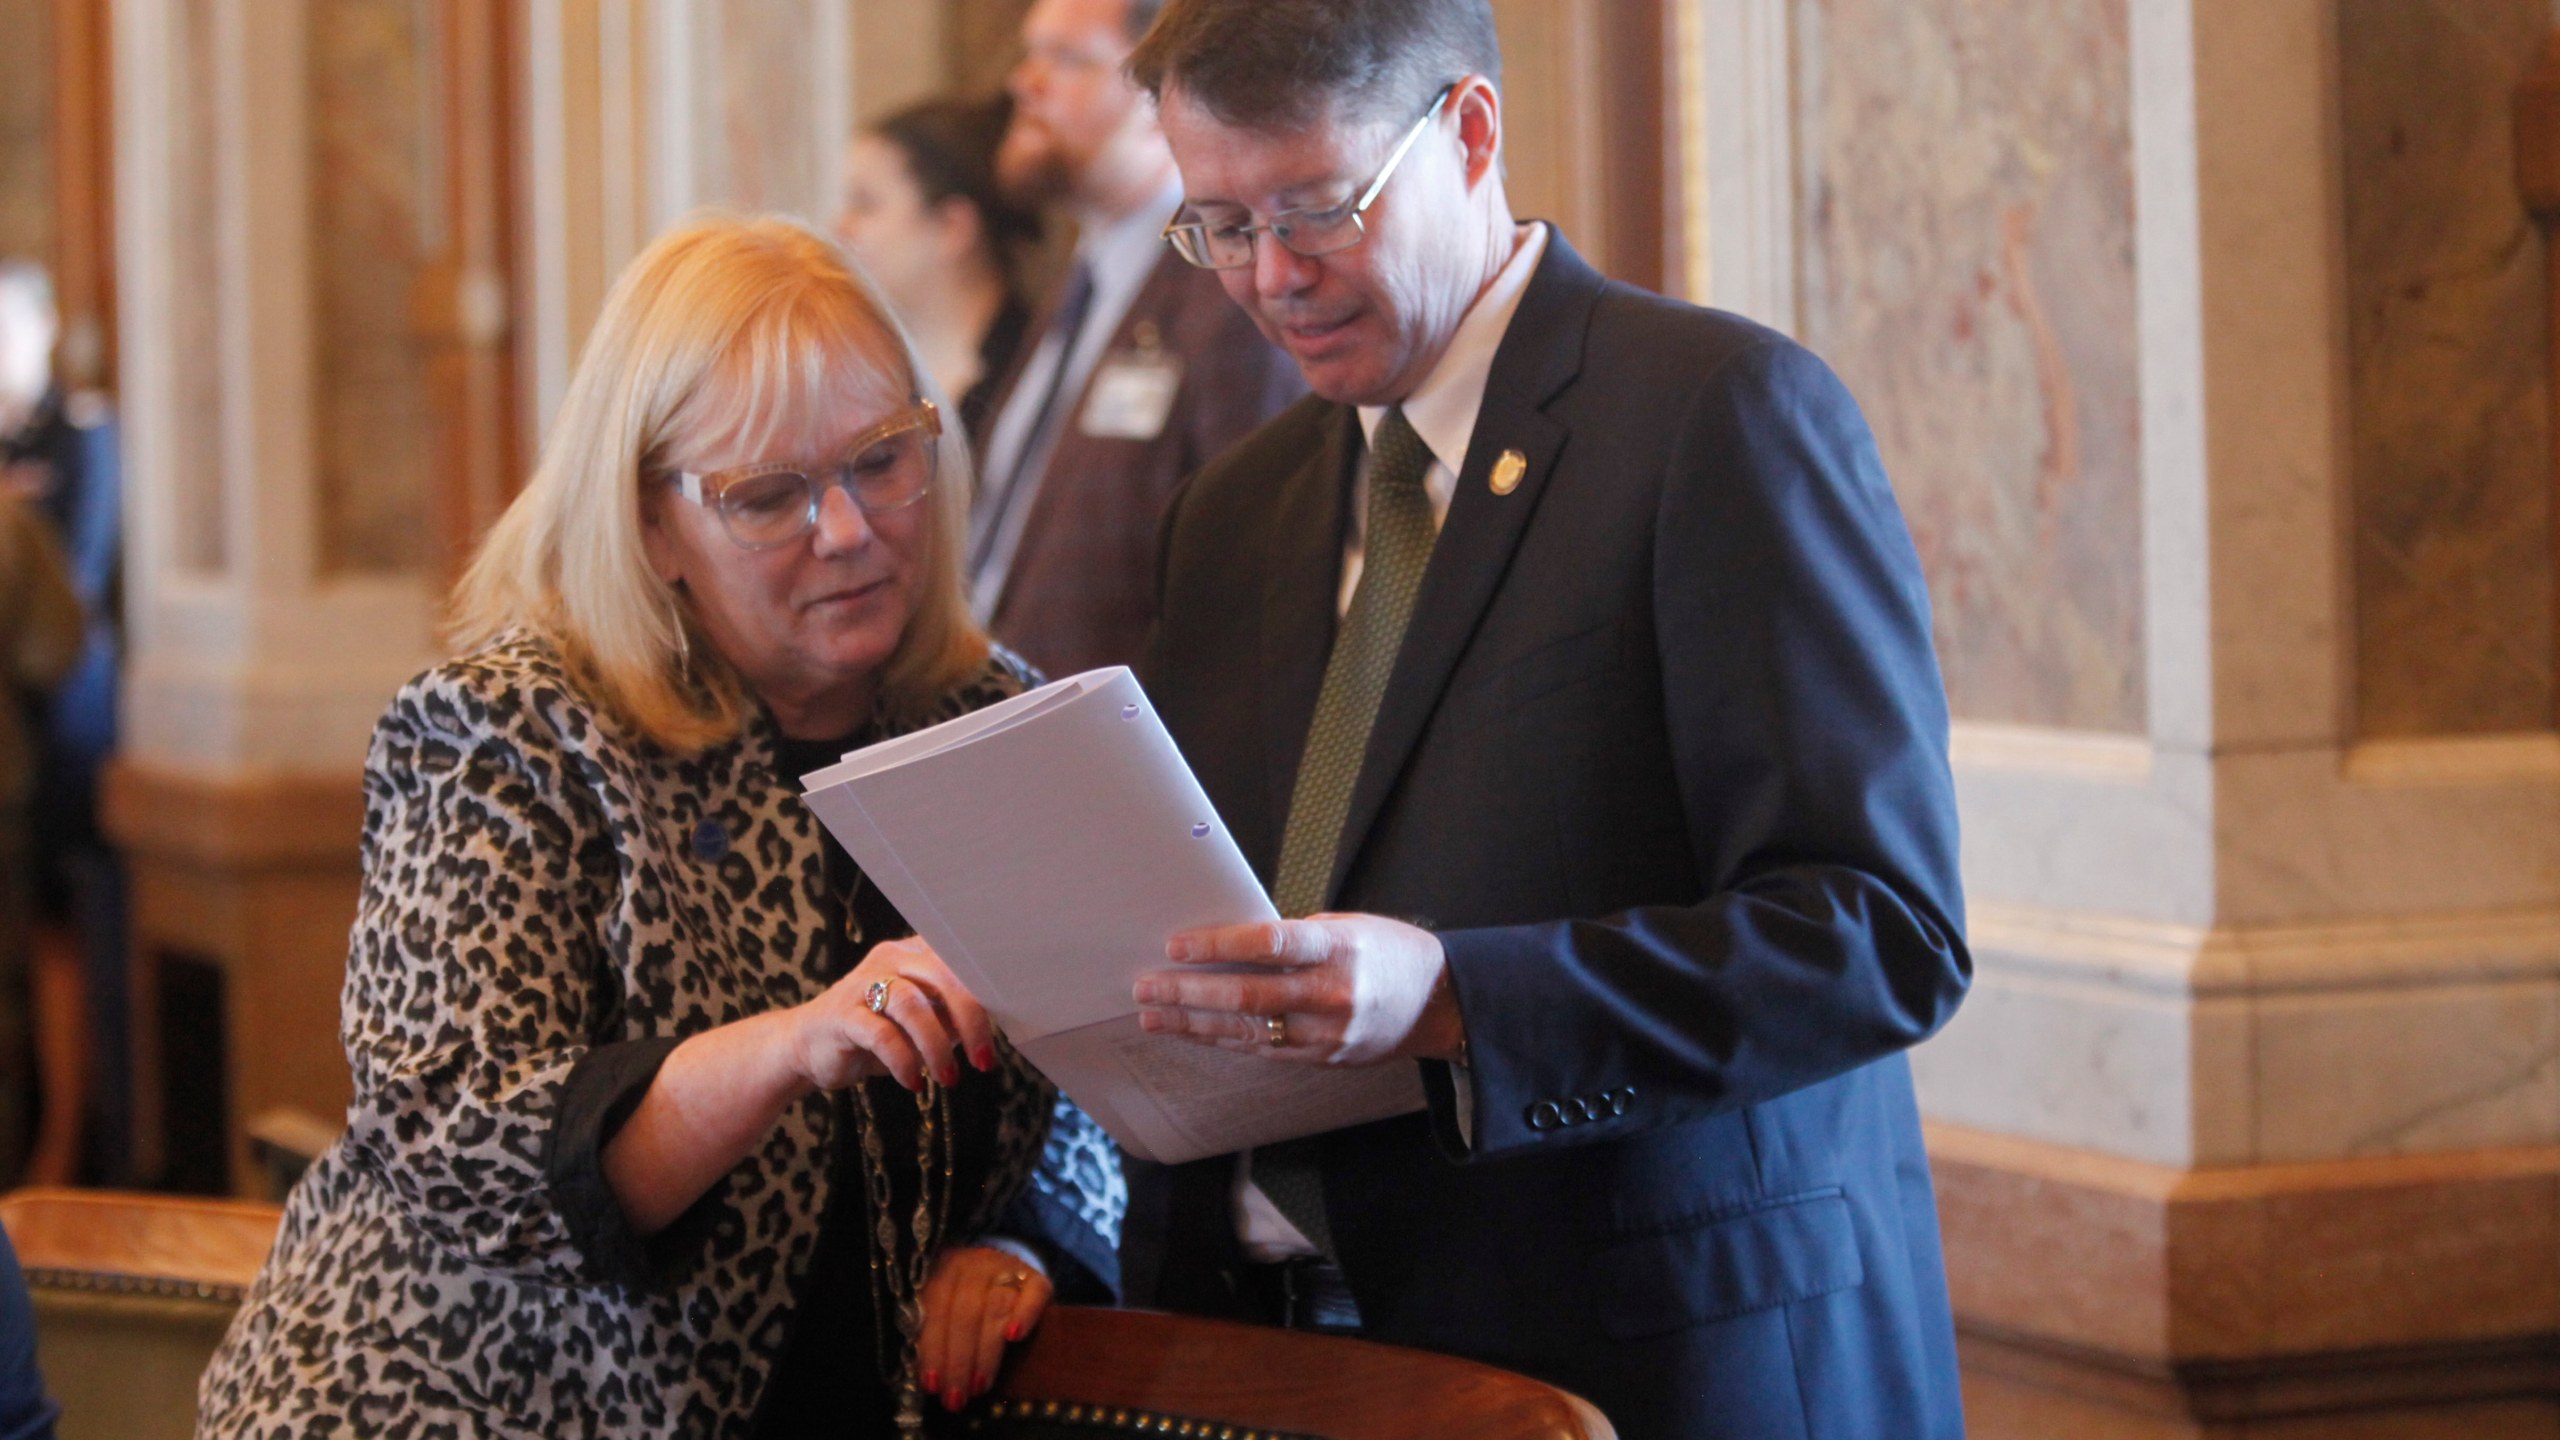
(377, 218)
(2408, 1071)
(2448, 326)
(2090, 1065)
(26, 128)
(198, 477)
(767, 154)
(1968, 265)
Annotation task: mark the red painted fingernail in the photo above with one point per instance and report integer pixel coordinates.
(984, 1057)
(1013, 1331)
(933, 1379)
(952, 1400)
(977, 1384)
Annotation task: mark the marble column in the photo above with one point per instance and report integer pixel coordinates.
(2177, 321)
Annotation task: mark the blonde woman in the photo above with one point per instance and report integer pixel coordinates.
(660, 1127)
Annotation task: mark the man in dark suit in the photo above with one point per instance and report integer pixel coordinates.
(1138, 374)
(1576, 630)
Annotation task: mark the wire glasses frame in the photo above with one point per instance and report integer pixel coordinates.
(1309, 232)
(889, 466)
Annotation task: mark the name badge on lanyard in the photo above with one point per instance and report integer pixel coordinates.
(1132, 391)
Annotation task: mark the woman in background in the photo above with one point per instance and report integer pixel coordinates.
(922, 213)
(659, 1127)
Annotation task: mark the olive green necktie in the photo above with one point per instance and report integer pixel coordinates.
(1395, 549)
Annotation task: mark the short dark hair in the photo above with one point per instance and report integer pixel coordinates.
(1287, 63)
(949, 143)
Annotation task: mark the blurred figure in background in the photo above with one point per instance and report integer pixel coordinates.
(40, 633)
(1138, 373)
(922, 213)
(58, 455)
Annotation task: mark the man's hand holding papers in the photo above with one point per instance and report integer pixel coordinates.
(1346, 989)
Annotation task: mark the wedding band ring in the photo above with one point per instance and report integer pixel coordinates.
(1275, 1030)
(877, 997)
(1013, 1280)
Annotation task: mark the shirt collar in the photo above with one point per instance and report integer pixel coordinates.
(1442, 409)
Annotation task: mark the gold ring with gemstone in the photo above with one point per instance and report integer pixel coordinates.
(1013, 1280)
(1275, 1030)
(877, 997)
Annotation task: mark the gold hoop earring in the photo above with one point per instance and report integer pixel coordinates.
(684, 637)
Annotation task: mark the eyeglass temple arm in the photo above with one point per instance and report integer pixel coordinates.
(1402, 146)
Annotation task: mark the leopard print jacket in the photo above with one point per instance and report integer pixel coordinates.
(537, 883)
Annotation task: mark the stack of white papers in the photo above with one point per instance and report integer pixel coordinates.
(1047, 847)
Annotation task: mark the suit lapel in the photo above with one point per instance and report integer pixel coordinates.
(1540, 354)
(1305, 541)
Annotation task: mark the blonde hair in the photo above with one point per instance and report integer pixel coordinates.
(725, 322)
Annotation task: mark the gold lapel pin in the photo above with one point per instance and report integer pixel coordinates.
(1508, 470)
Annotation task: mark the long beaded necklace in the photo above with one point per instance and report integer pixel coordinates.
(902, 1257)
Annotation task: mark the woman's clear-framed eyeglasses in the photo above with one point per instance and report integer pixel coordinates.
(887, 467)
(1224, 245)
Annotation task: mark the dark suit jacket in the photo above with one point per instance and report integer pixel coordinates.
(1664, 763)
(1081, 590)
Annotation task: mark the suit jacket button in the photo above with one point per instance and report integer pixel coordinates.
(1545, 1115)
(1585, 1109)
(1618, 1099)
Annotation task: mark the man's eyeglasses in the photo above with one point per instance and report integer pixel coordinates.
(1228, 245)
(887, 467)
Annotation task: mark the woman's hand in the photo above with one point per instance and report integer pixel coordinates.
(925, 1016)
(978, 1299)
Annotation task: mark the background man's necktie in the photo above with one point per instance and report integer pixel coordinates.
(998, 499)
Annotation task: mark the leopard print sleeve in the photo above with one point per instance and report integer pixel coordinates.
(475, 979)
(1075, 1202)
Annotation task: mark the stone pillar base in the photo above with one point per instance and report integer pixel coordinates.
(2365, 1299)
(258, 875)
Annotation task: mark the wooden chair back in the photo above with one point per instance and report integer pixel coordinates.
(132, 1293)
(1093, 1373)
